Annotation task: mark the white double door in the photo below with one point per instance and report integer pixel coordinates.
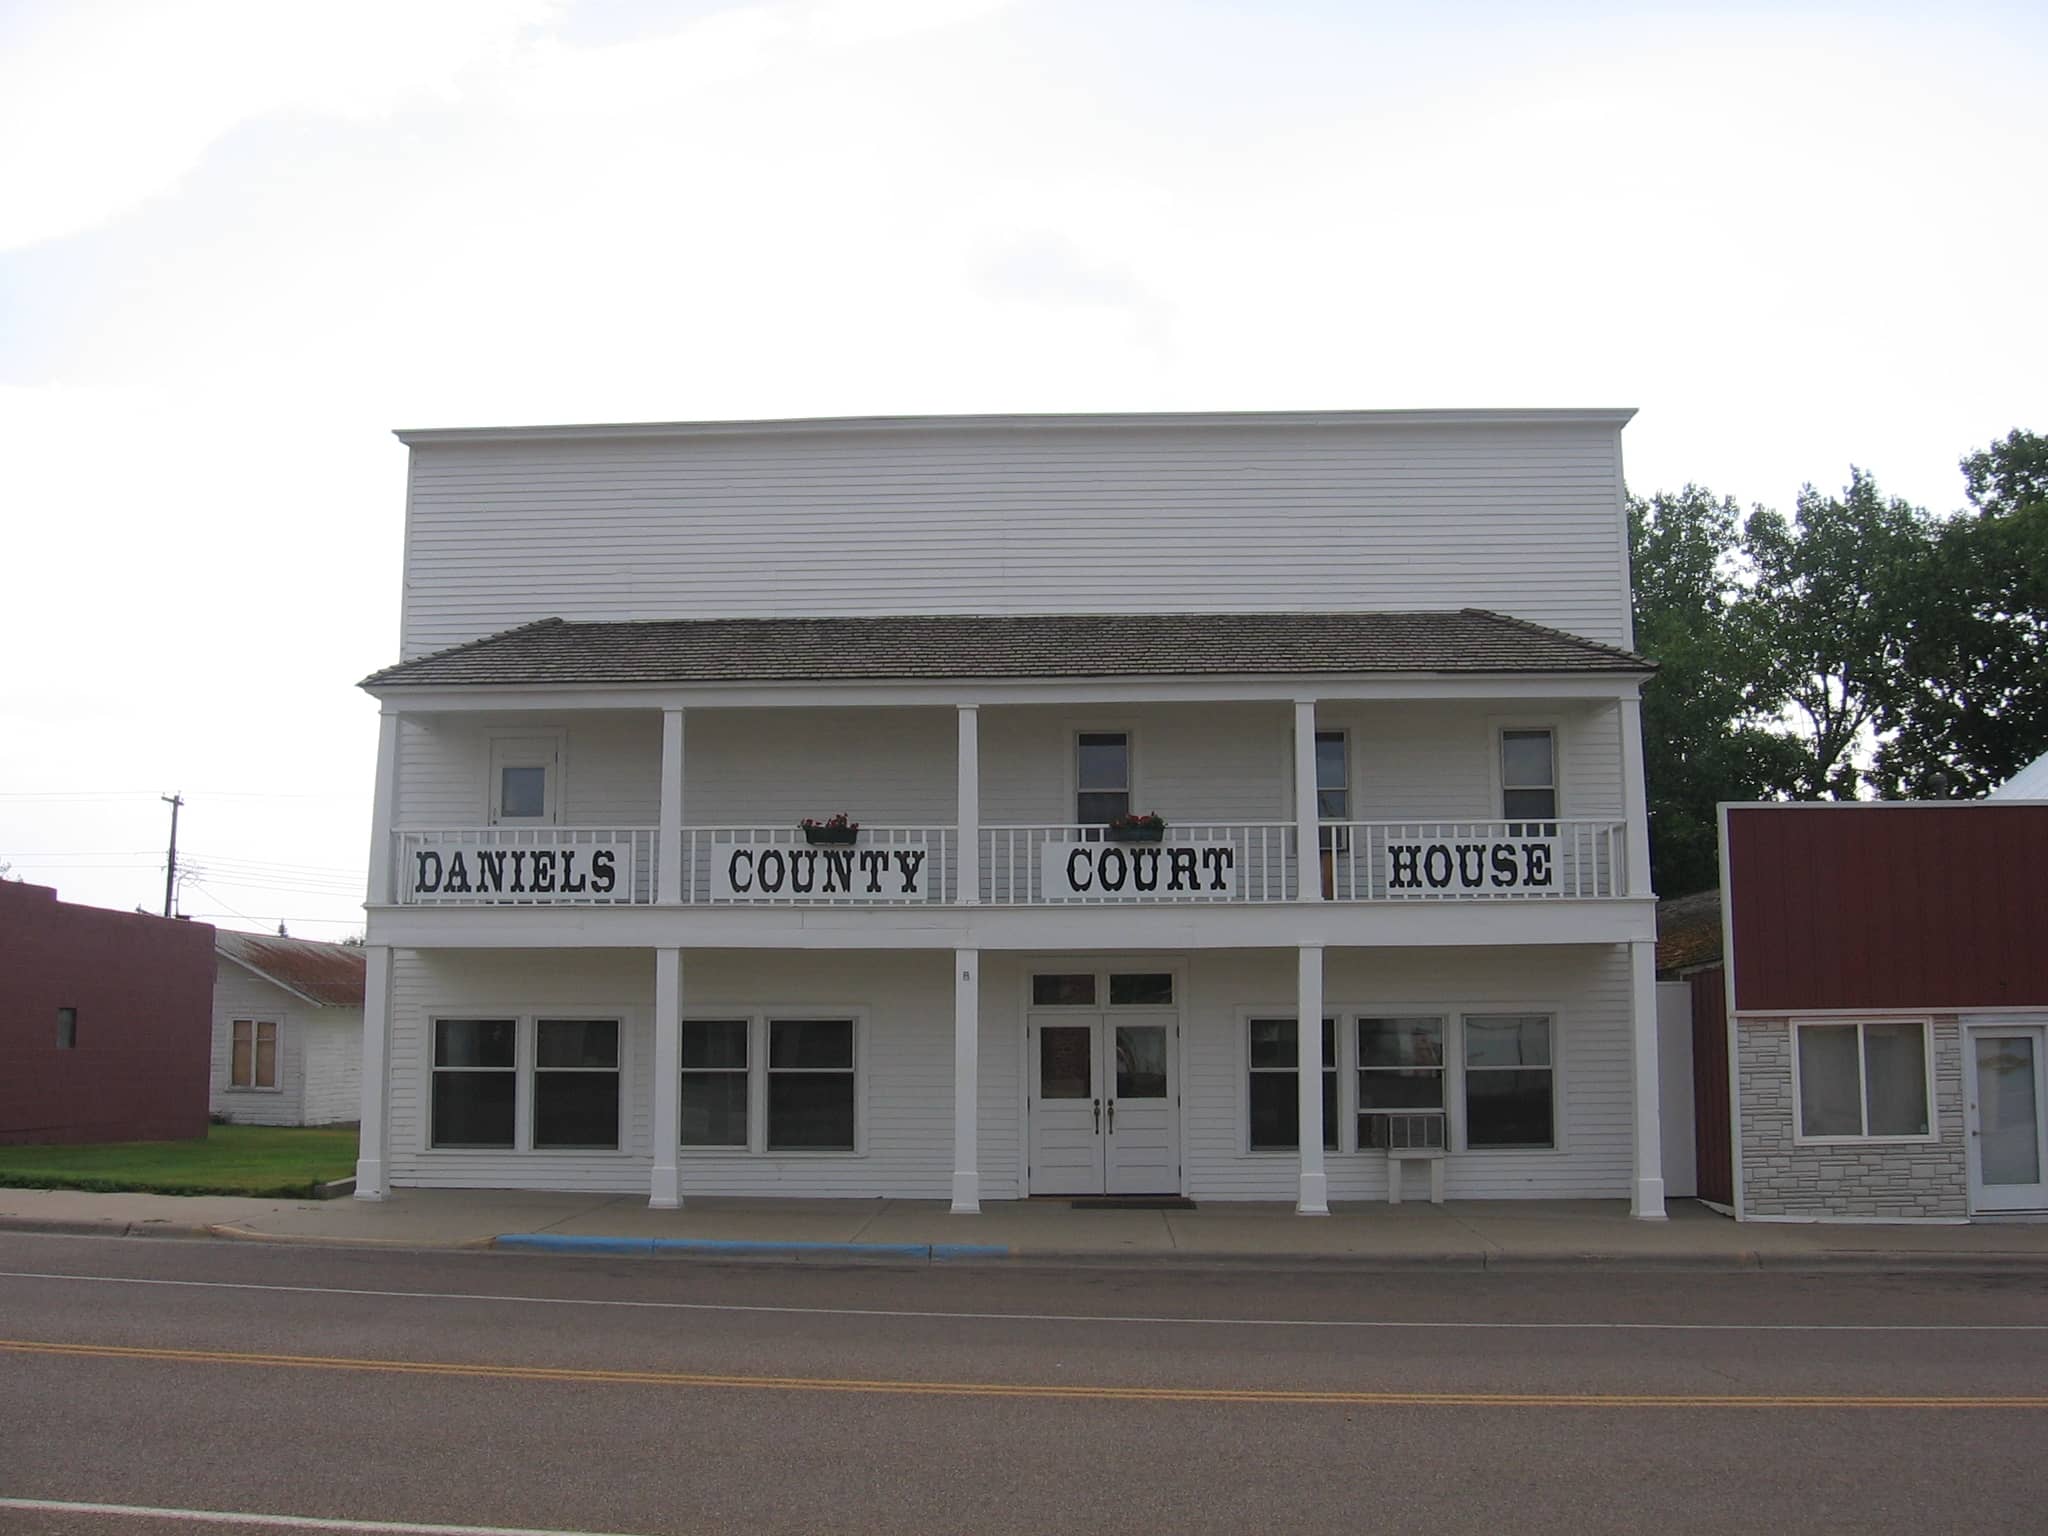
(1105, 1103)
(2005, 1081)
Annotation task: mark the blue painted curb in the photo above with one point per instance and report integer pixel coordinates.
(552, 1242)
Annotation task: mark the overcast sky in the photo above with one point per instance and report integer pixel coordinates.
(239, 242)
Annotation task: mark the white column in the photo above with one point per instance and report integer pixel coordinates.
(665, 1189)
(669, 860)
(1635, 802)
(1647, 1200)
(1308, 863)
(383, 811)
(966, 1082)
(967, 885)
(370, 1182)
(1315, 1184)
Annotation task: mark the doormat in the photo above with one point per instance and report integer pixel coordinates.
(1132, 1203)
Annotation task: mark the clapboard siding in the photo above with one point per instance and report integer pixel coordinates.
(1212, 762)
(1587, 985)
(334, 1066)
(240, 994)
(906, 1069)
(1362, 515)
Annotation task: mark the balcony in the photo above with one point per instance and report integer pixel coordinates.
(1046, 865)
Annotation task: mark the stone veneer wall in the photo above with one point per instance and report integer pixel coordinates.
(1877, 1180)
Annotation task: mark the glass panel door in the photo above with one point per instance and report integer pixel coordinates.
(1066, 1103)
(2008, 1152)
(1141, 1132)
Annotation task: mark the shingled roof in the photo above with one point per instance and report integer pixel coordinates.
(330, 975)
(941, 647)
(1688, 933)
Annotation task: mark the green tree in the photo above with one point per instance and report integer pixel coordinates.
(1970, 705)
(1704, 739)
(1837, 591)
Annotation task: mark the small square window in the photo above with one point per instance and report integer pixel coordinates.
(67, 1029)
(523, 793)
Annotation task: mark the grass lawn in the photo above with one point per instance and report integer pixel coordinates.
(280, 1160)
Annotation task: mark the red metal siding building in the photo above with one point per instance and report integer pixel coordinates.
(105, 1022)
(1888, 991)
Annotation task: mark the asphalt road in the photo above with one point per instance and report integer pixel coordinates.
(646, 1395)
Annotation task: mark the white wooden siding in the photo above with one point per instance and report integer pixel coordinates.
(1522, 518)
(239, 993)
(334, 1066)
(1222, 762)
(1589, 985)
(907, 1055)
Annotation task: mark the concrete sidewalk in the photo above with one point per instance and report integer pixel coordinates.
(1461, 1235)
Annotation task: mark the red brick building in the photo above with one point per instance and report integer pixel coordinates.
(105, 1022)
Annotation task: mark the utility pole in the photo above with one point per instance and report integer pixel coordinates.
(171, 868)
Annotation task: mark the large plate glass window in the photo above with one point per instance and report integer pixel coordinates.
(810, 1085)
(1103, 776)
(1528, 777)
(1275, 1099)
(1863, 1080)
(576, 1083)
(715, 1062)
(1509, 1080)
(476, 1082)
(1400, 1072)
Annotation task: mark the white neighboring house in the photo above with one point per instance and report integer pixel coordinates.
(2030, 783)
(287, 1030)
(1371, 668)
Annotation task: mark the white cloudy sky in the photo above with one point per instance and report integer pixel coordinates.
(241, 240)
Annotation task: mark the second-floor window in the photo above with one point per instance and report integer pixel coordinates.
(523, 780)
(1103, 776)
(1528, 775)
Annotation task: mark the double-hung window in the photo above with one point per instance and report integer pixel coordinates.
(1102, 776)
(576, 1083)
(1510, 1080)
(1863, 1080)
(517, 1084)
(1275, 1059)
(753, 1084)
(476, 1082)
(252, 1054)
(1400, 1073)
(1528, 778)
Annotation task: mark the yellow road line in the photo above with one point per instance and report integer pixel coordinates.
(1016, 1389)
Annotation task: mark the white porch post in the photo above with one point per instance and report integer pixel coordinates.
(1308, 863)
(665, 1191)
(370, 1183)
(1647, 1200)
(1315, 1183)
(967, 884)
(669, 859)
(383, 811)
(966, 1082)
(1635, 801)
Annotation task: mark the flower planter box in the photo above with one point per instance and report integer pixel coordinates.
(1136, 834)
(831, 837)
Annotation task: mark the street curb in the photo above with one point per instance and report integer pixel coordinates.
(747, 1248)
(67, 1226)
(235, 1234)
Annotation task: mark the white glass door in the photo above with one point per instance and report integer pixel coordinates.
(1141, 1129)
(2003, 1077)
(1066, 1109)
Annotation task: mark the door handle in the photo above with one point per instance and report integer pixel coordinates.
(1112, 1117)
(1098, 1116)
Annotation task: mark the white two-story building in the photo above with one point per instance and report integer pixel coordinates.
(1162, 735)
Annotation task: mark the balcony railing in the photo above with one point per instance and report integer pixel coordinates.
(1473, 860)
(1209, 863)
(527, 866)
(886, 866)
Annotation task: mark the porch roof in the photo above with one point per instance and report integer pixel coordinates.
(949, 646)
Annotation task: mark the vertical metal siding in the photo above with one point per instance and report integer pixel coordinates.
(1713, 1149)
(1887, 906)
